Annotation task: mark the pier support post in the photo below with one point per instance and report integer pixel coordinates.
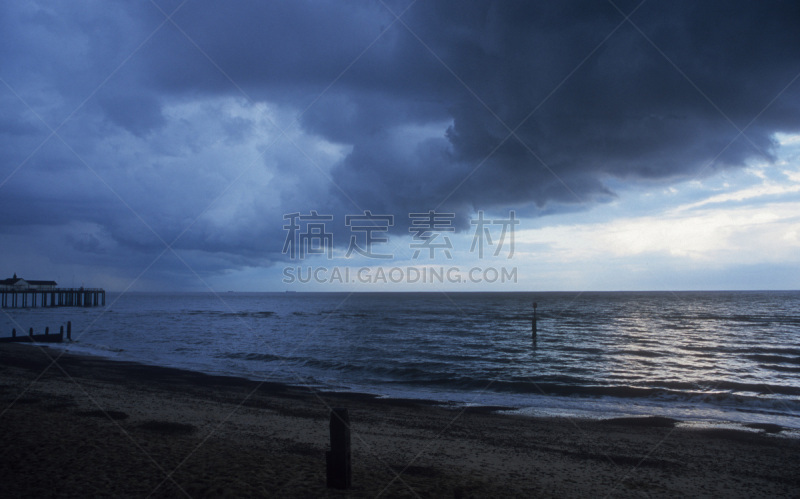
(69, 330)
(339, 466)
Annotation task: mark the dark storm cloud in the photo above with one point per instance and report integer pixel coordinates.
(627, 111)
(424, 108)
(588, 94)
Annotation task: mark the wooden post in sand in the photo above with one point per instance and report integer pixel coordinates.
(30, 332)
(14, 333)
(339, 467)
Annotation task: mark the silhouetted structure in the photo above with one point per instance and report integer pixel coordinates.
(16, 292)
(39, 338)
(533, 322)
(339, 467)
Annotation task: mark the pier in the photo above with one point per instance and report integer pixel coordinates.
(58, 297)
(16, 292)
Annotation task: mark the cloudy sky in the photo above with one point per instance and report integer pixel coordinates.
(162, 145)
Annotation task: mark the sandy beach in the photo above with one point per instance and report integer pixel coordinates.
(87, 426)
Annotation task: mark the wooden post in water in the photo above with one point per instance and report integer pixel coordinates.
(30, 332)
(14, 333)
(69, 330)
(533, 322)
(339, 466)
(47, 330)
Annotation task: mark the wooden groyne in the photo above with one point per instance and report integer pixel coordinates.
(39, 338)
(56, 297)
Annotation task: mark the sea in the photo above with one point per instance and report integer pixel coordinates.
(701, 357)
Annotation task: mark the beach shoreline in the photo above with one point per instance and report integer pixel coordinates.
(91, 425)
(696, 414)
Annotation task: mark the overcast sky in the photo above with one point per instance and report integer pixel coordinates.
(640, 145)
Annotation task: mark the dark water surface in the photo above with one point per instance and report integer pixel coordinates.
(698, 355)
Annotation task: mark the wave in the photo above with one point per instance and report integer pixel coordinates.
(640, 353)
(264, 314)
(779, 368)
(739, 401)
(438, 373)
(778, 359)
(265, 357)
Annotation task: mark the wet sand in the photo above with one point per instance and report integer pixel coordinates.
(87, 426)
